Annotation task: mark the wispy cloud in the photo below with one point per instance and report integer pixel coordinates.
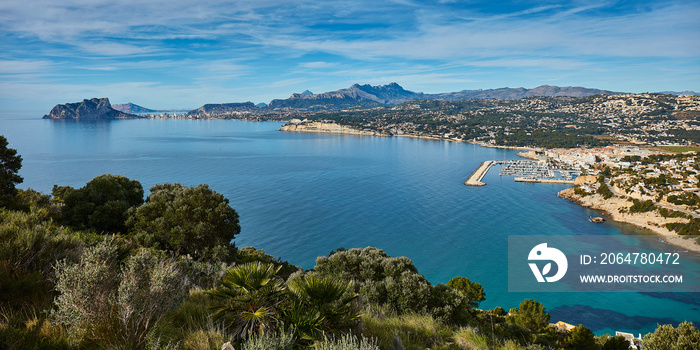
(239, 47)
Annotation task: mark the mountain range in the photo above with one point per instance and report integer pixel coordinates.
(393, 94)
(355, 96)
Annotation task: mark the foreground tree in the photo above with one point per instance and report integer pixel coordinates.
(474, 292)
(581, 338)
(10, 163)
(188, 220)
(102, 204)
(665, 337)
(531, 315)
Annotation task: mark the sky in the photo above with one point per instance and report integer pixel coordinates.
(182, 54)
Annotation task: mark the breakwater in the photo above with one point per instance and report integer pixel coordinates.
(478, 175)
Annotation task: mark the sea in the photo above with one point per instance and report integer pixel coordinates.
(301, 196)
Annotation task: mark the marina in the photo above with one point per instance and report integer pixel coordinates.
(523, 171)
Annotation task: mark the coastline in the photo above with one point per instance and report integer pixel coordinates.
(649, 220)
(334, 128)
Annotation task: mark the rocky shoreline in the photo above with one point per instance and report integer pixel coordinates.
(649, 220)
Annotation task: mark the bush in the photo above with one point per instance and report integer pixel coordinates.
(188, 220)
(102, 204)
(29, 247)
(665, 337)
(99, 304)
(269, 341)
(347, 342)
(379, 278)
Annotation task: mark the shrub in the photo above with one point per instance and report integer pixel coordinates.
(188, 220)
(269, 341)
(98, 304)
(102, 204)
(248, 299)
(347, 342)
(379, 278)
(666, 337)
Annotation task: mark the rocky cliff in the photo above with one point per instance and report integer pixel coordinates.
(96, 108)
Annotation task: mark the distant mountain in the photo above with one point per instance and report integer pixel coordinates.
(393, 94)
(686, 93)
(516, 93)
(132, 108)
(223, 108)
(307, 92)
(96, 108)
(354, 96)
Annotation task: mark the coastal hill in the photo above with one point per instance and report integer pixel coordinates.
(96, 108)
(359, 96)
(132, 108)
(223, 108)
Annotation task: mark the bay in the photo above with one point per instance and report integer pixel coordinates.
(301, 196)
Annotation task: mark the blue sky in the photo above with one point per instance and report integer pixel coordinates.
(182, 54)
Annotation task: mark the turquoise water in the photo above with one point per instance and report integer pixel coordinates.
(303, 195)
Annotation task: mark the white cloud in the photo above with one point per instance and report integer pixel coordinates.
(23, 66)
(318, 65)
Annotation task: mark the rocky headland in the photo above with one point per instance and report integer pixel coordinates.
(327, 128)
(95, 108)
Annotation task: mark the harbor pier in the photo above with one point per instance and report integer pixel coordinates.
(478, 175)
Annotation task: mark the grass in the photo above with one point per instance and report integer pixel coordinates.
(674, 149)
(414, 331)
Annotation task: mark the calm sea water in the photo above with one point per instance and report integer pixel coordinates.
(303, 195)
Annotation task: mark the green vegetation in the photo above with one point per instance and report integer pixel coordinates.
(641, 206)
(102, 203)
(188, 220)
(604, 191)
(680, 149)
(10, 163)
(64, 284)
(666, 337)
(686, 198)
(690, 228)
